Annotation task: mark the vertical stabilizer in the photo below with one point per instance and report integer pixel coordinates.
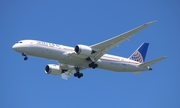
(140, 54)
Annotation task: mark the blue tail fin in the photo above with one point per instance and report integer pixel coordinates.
(140, 54)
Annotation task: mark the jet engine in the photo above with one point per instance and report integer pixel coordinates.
(83, 50)
(53, 69)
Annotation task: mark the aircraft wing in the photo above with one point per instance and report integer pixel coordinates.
(102, 47)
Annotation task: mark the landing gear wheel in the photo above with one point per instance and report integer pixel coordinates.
(78, 74)
(25, 58)
(75, 74)
(93, 65)
(23, 54)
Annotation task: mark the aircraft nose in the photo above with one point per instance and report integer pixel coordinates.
(14, 47)
(19, 47)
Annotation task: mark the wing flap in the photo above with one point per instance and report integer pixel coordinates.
(67, 74)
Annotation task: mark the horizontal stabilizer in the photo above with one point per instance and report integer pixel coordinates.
(149, 63)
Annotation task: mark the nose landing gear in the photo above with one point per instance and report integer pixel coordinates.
(25, 56)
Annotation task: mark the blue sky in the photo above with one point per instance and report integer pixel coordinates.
(24, 83)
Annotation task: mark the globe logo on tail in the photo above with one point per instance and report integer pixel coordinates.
(137, 57)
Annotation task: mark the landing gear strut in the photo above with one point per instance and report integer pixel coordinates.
(78, 74)
(25, 56)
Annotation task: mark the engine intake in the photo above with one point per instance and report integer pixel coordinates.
(47, 70)
(53, 69)
(83, 50)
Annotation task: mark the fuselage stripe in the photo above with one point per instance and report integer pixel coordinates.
(119, 61)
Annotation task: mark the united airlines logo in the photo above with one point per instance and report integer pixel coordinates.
(137, 57)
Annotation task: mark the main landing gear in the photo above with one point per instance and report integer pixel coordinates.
(25, 56)
(93, 65)
(78, 74)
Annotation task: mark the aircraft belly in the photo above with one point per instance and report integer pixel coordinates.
(55, 54)
(118, 66)
(45, 53)
(71, 60)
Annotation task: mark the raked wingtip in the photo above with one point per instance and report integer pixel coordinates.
(165, 57)
(151, 22)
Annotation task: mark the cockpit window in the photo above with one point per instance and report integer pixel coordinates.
(19, 42)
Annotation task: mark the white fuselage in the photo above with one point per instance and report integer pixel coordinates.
(61, 54)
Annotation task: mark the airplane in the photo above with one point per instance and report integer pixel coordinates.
(74, 59)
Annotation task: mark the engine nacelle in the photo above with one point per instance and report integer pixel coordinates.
(83, 50)
(53, 69)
